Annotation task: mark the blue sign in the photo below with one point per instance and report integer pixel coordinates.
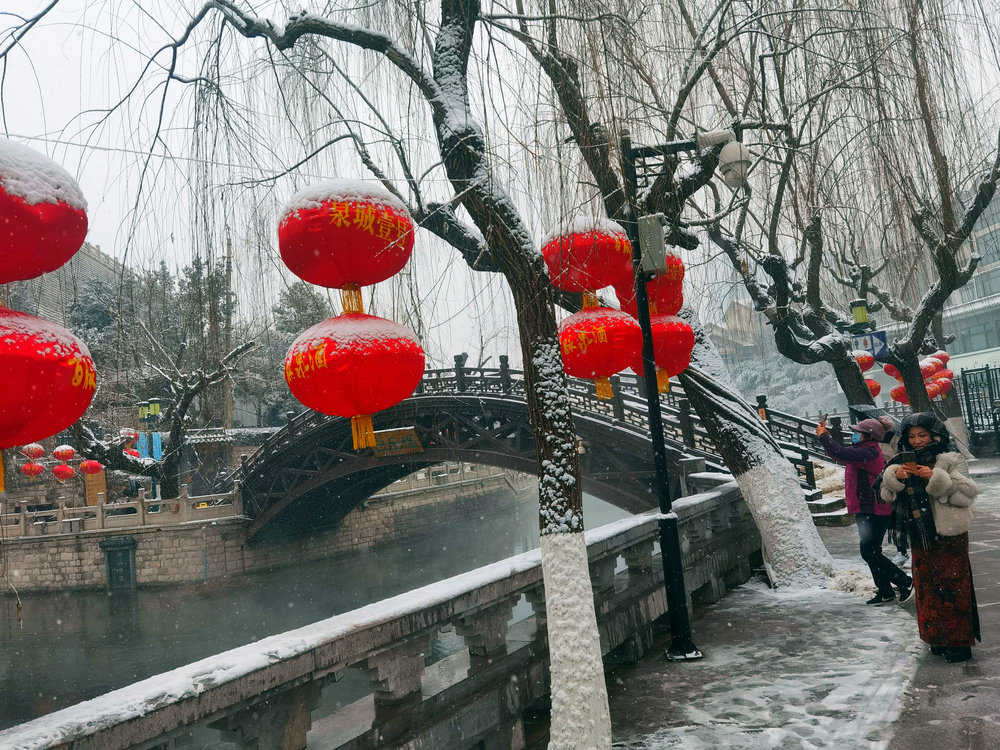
(873, 342)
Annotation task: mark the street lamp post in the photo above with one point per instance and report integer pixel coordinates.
(733, 168)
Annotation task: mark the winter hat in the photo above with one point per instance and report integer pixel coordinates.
(870, 427)
(888, 422)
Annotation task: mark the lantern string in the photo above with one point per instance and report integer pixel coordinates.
(350, 297)
(604, 389)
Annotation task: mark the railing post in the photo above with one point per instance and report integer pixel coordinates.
(687, 424)
(505, 381)
(762, 407)
(810, 469)
(281, 720)
(23, 508)
(184, 508)
(617, 402)
(99, 515)
(237, 500)
(460, 382)
(396, 672)
(141, 506)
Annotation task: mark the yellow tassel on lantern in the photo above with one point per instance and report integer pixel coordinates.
(1, 472)
(662, 381)
(350, 297)
(604, 390)
(589, 300)
(363, 431)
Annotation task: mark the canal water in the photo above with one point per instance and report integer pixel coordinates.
(73, 646)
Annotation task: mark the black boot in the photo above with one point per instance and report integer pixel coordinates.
(956, 654)
(938, 650)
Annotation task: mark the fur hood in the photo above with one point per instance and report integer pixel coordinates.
(951, 489)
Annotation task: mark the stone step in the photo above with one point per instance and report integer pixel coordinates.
(835, 518)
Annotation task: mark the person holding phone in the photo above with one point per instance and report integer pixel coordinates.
(863, 464)
(931, 491)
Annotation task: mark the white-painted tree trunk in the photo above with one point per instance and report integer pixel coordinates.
(580, 716)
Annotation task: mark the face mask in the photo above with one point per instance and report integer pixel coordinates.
(855, 437)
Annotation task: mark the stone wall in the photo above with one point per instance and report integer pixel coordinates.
(205, 551)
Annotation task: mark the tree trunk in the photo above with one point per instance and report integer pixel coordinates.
(852, 381)
(793, 551)
(580, 715)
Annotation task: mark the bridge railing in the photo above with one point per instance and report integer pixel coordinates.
(264, 694)
(62, 518)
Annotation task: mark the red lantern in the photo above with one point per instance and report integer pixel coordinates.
(345, 234)
(930, 365)
(942, 355)
(673, 342)
(933, 390)
(666, 296)
(892, 371)
(944, 385)
(129, 436)
(43, 219)
(943, 374)
(597, 343)
(63, 472)
(33, 451)
(874, 387)
(353, 366)
(91, 467)
(32, 470)
(865, 361)
(64, 453)
(131, 452)
(588, 255)
(47, 375)
(898, 394)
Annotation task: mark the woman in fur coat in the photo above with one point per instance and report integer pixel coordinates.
(929, 485)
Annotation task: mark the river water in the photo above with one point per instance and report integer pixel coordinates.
(73, 646)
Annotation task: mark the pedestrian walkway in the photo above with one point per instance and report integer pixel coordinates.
(817, 668)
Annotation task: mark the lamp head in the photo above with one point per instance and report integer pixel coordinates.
(734, 164)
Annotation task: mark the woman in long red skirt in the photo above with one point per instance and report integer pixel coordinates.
(929, 485)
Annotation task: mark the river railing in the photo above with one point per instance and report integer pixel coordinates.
(266, 694)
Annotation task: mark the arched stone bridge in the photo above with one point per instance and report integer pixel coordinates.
(308, 476)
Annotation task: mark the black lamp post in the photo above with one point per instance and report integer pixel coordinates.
(733, 168)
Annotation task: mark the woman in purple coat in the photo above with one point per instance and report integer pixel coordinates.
(864, 464)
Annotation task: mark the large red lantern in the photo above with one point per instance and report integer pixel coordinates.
(930, 365)
(665, 294)
(865, 361)
(588, 255)
(874, 387)
(933, 389)
(345, 234)
(673, 342)
(47, 375)
(63, 472)
(898, 394)
(354, 365)
(597, 343)
(32, 470)
(64, 453)
(43, 219)
(91, 467)
(32, 451)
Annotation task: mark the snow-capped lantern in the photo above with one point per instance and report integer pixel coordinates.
(64, 453)
(598, 342)
(62, 472)
(32, 470)
(588, 255)
(874, 387)
(91, 467)
(929, 366)
(48, 379)
(345, 234)
(865, 361)
(944, 385)
(933, 389)
(664, 291)
(944, 374)
(673, 342)
(898, 394)
(942, 355)
(43, 214)
(32, 451)
(352, 366)
(892, 371)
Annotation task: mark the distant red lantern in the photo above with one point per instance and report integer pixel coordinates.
(129, 436)
(43, 219)
(64, 453)
(673, 342)
(943, 374)
(942, 355)
(944, 385)
(597, 343)
(32, 470)
(63, 472)
(865, 361)
(892, 371)
(345, 234)
(91, 467)
(354, 365)
(666, 295)
(48, 379)
(933, 390)
(132, 452)
(32, 451)
(874, 387)
(930, 365)
(898, 394)
(588, 255)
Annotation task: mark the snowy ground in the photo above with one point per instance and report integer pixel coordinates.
(806, 668)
